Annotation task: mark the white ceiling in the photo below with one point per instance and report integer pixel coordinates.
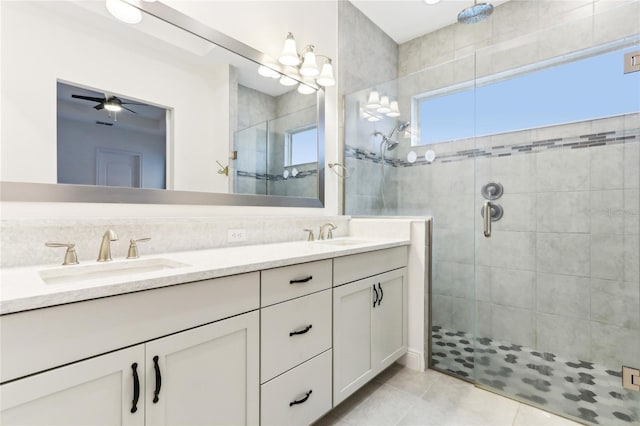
(404, 20)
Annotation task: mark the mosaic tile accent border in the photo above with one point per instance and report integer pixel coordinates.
(573, 142)
(268, 177)
(580, 389)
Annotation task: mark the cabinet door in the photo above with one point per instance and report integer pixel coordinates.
(206, 375)
(98, 391)
(389, 319)
(352, 368)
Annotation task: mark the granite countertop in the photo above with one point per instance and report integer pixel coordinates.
(24, 289)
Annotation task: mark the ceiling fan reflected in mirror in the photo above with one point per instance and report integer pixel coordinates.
(110, 103)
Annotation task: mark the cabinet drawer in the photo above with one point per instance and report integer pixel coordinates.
(347, 269)
(281, 350)
(277, 396)
(280, 284)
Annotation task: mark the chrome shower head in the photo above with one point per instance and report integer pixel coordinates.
(475, 13)
(401, 127)
(391, 144)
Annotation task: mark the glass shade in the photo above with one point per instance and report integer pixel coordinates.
(309, 66)
(395, 111)
(384, 105)
(124, 12)
(326, 76)
(289, 55)
(374, 100)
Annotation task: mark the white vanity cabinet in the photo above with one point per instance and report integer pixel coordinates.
(207, 375)
(206, 368)
(369, 321)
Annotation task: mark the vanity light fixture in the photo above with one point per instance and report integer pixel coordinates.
(382, 105)
(304, 65)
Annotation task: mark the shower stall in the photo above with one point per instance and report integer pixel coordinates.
(524, 147)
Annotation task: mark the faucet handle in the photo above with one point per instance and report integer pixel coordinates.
(133, 247)
(330, 233)
(310, 231)
(70, 257)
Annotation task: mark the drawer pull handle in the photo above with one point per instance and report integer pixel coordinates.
(307, 328)
(302, 280)
(136, 388)
(381, 294)
(300, 401)
(156, 392)
(376, 293)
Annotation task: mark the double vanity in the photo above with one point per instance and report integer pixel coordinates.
(273, 334)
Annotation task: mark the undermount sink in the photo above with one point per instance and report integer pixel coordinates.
(73, 274)
(343, 242)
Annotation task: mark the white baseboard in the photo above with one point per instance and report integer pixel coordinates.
(413, 360)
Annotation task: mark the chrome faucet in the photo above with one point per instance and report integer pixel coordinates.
(331, 227)
(104, 255)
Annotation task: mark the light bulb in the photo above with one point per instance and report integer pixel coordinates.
(394, 110)
(326, 76)
(384, 105)
(374, 100)
(123, 11)
(289, 55)
(309, 67)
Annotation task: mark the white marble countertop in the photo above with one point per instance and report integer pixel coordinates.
(24, 289)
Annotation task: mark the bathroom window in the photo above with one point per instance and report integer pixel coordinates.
(573, 88)
(301, 146)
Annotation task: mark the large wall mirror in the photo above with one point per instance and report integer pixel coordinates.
(96, 110)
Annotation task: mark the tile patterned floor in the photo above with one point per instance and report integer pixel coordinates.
(579, 389)
(400, 396)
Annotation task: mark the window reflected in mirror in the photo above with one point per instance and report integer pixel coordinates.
(109, 140)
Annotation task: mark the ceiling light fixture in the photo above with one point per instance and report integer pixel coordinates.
(113, 105)
(431, 2)
(301, 66)
(124, 11)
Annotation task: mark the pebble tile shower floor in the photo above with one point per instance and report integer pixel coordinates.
(580, 389)
(400, 396)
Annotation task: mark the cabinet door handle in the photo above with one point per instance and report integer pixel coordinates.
(302, 280)
(381, 294)
(376, 292)
(300, 401)
(136, 388)
(156, 367)
(307, 328)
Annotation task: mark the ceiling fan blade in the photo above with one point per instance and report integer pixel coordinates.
(99, 106)
(132, 103)
(88, 98)
(130, 110)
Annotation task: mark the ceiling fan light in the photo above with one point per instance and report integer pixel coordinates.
(289, 55)
(112, 107)
(124, 12)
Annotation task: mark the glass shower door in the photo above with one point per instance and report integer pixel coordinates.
(557, 280)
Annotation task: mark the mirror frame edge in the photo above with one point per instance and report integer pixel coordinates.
(55, 192)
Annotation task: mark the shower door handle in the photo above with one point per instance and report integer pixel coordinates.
(487, 219)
